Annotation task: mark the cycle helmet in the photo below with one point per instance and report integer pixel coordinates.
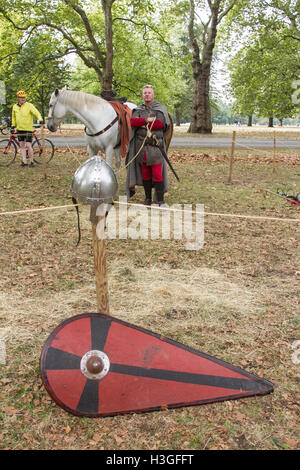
(21, 94)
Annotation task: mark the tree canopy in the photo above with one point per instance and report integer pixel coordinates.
(171, 44)
(265, 68)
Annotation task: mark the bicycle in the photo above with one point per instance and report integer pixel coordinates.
(4, 129)
(9, 149)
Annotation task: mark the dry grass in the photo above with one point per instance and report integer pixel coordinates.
(236, 299)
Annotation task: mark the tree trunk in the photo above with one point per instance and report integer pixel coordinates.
(271, 121)
(250, 120)
(107, 76)
(177, 116)
(201, 113)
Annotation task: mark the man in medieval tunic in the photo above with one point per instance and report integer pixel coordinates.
(146, 165)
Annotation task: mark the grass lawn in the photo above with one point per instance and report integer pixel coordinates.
(236, 298)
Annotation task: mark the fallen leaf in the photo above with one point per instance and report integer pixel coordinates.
(292, 442)
(9, 410)
(118, 440)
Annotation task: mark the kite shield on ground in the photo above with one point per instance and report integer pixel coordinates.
(95, 365)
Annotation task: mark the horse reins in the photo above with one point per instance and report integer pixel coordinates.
(110, 125)
(143, 144)
(103, 130)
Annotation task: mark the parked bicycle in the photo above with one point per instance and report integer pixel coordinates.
(4, 129)
(9, 149)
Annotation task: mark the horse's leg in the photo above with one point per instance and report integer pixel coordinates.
(90, 151)
(117, 160)
(93, 146)
(109, 155)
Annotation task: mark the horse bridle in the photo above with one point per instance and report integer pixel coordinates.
(52, 107)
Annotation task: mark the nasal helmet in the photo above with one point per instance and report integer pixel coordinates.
(94, 182)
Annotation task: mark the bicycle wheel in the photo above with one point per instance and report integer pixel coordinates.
(8, 152)
(38, 151)
(5, 130)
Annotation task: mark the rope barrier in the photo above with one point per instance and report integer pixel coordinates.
(214, 214)
(40, 209)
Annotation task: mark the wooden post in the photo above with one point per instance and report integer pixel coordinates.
(231, 156)
(100, 266)
(274, 150)
(44, 157)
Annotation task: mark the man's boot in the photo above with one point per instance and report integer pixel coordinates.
(159, 190)
(148, 192)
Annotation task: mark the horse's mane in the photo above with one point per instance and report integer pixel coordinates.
(81, 98)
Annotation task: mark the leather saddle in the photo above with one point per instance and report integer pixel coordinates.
(111, 95)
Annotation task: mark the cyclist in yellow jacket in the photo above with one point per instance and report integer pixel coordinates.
(23, 114)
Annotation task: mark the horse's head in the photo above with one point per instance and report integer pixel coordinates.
(57, 110)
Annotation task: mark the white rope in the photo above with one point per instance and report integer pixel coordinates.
(24, 211)
(214, 214)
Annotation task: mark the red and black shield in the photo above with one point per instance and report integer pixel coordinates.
(96, 365)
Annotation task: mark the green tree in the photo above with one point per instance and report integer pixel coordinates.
(40, 69)
(89, 29)
(262, 75)
(142, 54)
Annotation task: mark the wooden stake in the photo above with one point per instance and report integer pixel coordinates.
(274, 150)
(43, 152)
(231, 156)
(100, 268)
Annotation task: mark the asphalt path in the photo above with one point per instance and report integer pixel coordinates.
(196, 142)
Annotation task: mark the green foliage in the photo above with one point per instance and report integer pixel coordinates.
(142, 37)
(37, 67)
(262, 75)
(150, 45)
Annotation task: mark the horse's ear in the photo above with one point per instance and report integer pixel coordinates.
(56, 92)
(64, 88)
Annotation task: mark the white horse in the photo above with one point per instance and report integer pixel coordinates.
(98, 116)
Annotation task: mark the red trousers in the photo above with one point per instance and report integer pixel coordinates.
(154, 171)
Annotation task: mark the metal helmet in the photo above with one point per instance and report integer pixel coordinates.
(94, 182)
(21, 94)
